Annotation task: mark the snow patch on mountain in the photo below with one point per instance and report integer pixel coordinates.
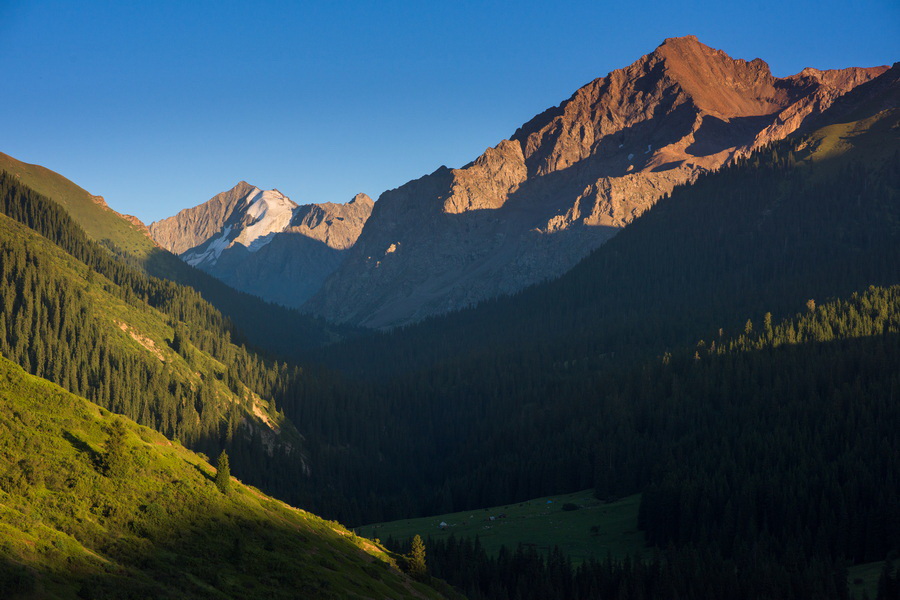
(270, 212)
(211, 252)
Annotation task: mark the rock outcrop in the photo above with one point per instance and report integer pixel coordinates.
(566, 181)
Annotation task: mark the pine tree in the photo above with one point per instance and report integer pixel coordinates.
(417, 567)
(115, 462)
(223, 473)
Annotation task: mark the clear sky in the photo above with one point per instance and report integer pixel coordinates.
(160, 105)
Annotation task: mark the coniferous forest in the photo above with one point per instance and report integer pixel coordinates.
(733, 356)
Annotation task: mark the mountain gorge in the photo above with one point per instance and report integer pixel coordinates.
(263, 243)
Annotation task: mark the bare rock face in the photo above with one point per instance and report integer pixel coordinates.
(263, 243)
(193, 226)
(566, 181)
(335, 225)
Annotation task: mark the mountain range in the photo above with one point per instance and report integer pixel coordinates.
(527, 209)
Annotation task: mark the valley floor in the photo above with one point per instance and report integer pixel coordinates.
(594, 529)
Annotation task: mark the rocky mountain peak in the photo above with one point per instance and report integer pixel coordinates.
(362, 199)
(194, 226)
(264, 243)
(533, 205)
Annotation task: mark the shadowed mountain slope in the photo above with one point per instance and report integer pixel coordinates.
(812, 216)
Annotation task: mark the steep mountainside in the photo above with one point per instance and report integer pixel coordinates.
(82, 516)
(97, 219)
(263, 243)
(813, 216)
(568, 180)
(475, 400)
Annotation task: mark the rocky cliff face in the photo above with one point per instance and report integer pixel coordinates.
(566, 181)
(263, 243)
(193, 226)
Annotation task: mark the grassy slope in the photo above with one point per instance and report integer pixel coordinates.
(164, 530)
(98, 221)
(868, 139)
(538, 523)
(142, 330)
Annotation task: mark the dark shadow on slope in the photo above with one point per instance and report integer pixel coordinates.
(716, 135)
(16, 580)
(861, 102)
(500, 249)
(269, 327)
(287, 271)
(92, 455)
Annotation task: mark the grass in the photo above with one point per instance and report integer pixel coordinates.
(596, 529)
(161, 530)
(871, 139)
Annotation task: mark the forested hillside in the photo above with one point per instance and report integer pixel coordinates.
(144, 347)
(487, 406)
(768, 462)
(732, 355)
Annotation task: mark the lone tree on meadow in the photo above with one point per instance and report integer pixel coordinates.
(223, 473)
(416, 561)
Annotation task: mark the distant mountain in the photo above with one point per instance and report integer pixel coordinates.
(263, 243)
(567, 181)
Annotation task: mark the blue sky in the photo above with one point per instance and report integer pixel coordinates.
(160, 105)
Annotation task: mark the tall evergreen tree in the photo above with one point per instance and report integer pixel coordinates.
(115, 461)
(223, 473)
(417, 566)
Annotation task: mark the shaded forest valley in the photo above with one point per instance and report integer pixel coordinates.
(733, 356)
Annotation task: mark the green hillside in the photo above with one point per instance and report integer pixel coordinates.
(158, 526)
(99, 221)
(99, 335)
(150, 349)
